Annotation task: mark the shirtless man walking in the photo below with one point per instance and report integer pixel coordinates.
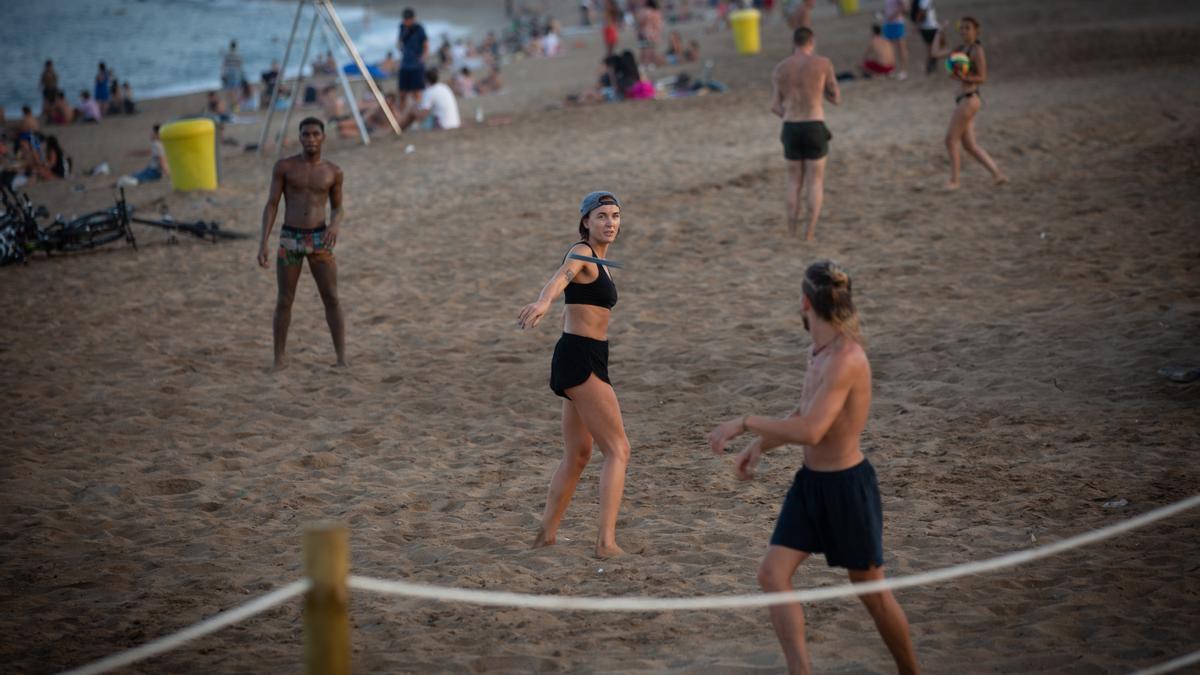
(800, 82)
(306, 182)
(833, 506)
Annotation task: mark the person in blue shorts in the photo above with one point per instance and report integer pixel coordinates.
(833, 506)
(894, 14)
(414, 47)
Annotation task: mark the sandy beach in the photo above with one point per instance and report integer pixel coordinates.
(154, 472)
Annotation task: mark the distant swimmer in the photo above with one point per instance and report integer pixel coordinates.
(968, 65)
(833, 506)
(306, 183)
(800, 82)
(579, 373)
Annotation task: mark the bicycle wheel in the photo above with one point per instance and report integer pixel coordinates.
(90, 231)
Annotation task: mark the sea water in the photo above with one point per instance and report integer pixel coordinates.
(169, 47)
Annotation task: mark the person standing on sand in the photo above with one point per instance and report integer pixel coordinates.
(800, 82)
(414, 47)
(306, 182)
(579, 374)
(968, 102)
(833, 506)
(894, 12)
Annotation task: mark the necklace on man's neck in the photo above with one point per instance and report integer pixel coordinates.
(817, 350)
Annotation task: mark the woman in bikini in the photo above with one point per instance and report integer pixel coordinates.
(579, 373)
(968, 102)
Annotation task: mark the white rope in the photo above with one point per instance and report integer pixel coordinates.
(211, 625)
(1174, 664)
(651, 604)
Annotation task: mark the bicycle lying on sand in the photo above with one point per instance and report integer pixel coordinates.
(22, 235)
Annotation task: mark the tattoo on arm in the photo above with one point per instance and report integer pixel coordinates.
(569, 275)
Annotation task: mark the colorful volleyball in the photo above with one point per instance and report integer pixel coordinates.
(958, 63)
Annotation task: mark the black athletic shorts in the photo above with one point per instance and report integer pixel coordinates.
(805, 140)
(837, 513)
(412, 79)
(575, 359)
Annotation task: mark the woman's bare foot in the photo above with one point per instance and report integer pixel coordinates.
(1000, 179)
(952, 185)
(280, 364)
(609, 551)
(341, 364)
(542, 540)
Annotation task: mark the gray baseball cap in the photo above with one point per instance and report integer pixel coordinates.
(592, 200)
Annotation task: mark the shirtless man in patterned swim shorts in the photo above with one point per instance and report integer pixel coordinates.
(306, 182)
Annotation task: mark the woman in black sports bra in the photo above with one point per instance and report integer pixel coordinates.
(579, 373)
(968, 101)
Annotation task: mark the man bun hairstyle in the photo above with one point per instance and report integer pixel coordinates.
(827, 286)
(802, 36)
(604, 201)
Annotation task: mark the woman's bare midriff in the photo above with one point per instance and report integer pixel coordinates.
(587, 321)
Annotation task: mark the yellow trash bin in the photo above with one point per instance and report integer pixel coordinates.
(191, 153)
(849, 7)
(745, 30)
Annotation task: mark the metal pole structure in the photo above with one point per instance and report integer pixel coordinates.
(340, 29)
(298, 91)
(287, 53)
(351, 102)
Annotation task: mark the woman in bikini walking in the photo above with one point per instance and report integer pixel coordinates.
(579, 373)
(967, 102)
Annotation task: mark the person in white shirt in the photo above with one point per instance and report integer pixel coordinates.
(925, 16)
(437, 105)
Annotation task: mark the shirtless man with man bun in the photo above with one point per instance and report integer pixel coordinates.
(833, 506)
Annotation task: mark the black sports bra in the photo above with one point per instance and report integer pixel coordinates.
(600, 293)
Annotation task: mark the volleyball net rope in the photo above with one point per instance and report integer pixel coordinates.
(648, 604)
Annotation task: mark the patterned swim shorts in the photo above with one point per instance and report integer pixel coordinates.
(295, 245)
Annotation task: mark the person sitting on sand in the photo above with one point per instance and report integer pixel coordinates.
(116, 101)
(968, 102)
(57, 164)
(130, 106)
(247, 101)
(374, 116)
(492, 83)
(61, 111)
(307, 184)
(214, 109)
(879, 59)
(463, 84)
(437, 109)
(591, 414)
(337, 111)
(156, 170)
(834, 506)
(89, 109)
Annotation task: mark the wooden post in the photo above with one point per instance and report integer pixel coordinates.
(327, 604)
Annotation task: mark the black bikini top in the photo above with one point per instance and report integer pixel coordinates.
(600, 293)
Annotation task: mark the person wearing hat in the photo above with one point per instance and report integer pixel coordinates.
(579, 373)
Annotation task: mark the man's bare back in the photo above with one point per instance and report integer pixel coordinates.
(802, 81)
